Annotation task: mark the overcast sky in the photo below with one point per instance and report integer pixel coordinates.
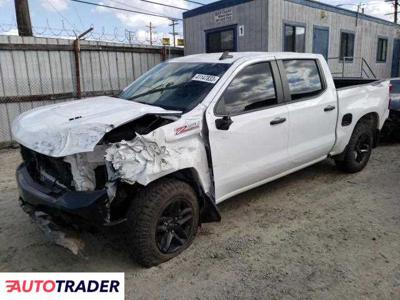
(78, 16)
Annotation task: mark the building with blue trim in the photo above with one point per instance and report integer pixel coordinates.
(355, 44)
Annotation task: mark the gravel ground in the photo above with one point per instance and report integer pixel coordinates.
(315, 234)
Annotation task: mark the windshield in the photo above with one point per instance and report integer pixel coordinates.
(175, 86)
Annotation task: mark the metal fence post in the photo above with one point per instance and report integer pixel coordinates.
(77, 54)
(163, 53)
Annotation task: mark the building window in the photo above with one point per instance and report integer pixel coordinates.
(252, 89)
(295, 38)
(221, 40)
(303, 78)
(382, 50)
(347, 46)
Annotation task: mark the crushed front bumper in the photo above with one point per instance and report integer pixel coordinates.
(74, 207)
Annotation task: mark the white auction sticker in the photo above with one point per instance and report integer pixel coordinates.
(205, 78)
(62, 286)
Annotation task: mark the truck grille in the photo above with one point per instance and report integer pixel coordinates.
(40, 166)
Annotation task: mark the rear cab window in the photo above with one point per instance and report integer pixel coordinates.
(253, 88)
(304, 78)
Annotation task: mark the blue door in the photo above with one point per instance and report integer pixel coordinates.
(321, 41)
(396, 58)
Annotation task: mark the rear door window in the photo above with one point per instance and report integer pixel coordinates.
(253, 88)
(303, 78)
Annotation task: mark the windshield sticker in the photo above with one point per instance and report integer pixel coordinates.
(205, 78)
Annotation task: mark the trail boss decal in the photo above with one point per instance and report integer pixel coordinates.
(187, 127)
(205, 78)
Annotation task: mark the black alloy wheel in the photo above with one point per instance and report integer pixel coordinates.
(163, 220)
(174, 227)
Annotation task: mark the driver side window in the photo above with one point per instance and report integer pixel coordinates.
(252, 89)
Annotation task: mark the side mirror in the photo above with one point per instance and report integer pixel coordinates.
(224, 123)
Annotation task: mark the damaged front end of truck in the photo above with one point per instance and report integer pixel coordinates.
(62, 181)
(92, 162)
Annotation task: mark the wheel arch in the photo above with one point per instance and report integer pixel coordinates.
(344, 132)
(373, 119)
(208, 209)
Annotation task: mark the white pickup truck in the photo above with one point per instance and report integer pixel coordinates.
(187, 135)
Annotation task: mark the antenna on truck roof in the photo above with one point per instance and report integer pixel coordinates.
(225, 55)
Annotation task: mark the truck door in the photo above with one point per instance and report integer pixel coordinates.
(312, 109)
(248, 129)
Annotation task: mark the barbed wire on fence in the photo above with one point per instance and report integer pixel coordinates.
(118, 35)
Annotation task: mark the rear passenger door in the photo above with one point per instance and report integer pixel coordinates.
(252, 146)
(312, 110)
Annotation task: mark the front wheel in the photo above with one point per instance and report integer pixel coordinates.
(358, 151)
(163, 221)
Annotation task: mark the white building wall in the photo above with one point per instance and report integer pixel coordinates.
(264, 19)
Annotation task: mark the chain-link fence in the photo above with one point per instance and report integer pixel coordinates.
(38, 71)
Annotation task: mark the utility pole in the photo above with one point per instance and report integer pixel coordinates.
(174, 33)
(360, 9)
(23, 18)
(130, 35)
(396, 9)
(151, 28)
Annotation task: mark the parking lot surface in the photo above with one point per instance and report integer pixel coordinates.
(318, 233)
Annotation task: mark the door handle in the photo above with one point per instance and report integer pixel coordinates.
(329, 108)
(277, 121)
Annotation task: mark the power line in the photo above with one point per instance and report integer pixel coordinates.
(78, 15)
(61, 15)
(166, 5)
(396, 9)
(148, 1)
(124, 9)
(130, 6)
(195, 2)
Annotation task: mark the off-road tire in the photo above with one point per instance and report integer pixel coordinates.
(349, 162)
(143, 219)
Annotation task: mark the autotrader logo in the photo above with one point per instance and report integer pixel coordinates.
(61, 286)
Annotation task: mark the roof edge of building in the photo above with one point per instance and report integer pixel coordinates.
(310, 3)
(212, 7)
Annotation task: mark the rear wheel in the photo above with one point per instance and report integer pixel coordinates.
(359, 149)
(163, 221)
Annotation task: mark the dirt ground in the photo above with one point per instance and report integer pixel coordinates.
(315, 234)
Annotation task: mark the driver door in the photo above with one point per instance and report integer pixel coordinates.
(248, 130)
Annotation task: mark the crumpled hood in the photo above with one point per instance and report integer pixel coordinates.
(77, 126)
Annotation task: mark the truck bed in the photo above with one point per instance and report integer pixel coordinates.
(357, 101)
(342, 83)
